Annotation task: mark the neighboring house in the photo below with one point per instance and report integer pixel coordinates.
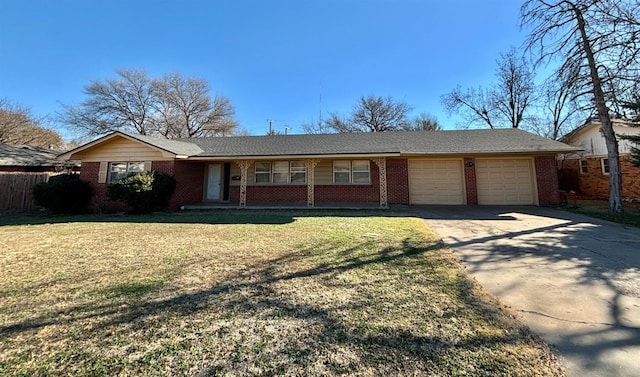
(23, 158)
(592, 164)
(502, 166)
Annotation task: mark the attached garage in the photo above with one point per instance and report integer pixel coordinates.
(435, 181)
(505, 181)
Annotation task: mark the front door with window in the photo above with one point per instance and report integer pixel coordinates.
(214, 179)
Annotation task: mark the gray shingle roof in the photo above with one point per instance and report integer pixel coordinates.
(420, 142)
(24, 155)
(467, 142)
(175, 146)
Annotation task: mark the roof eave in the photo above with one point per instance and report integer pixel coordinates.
(292, 156)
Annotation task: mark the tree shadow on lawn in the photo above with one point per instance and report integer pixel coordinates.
(322, 336)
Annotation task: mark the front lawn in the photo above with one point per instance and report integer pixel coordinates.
(242, 293)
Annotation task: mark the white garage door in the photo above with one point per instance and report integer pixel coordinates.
(435, 182)
(504, 181)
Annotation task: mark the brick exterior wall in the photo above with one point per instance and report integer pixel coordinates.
(595, 184)
(99, 202)
(397, 181)
(190, 185)
(547, 180)
(470, 182)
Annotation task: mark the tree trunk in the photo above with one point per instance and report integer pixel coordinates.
(606, 126)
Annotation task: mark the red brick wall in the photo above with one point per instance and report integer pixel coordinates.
(397, 181)
(189, 184)
(547, 180)
(470, 181)
(190, 178)
(99, 202)
(595, 184)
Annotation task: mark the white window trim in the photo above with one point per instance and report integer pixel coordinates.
(333, 174)
(580, 166)
(602, 165)
(289, 171)
(145, 167)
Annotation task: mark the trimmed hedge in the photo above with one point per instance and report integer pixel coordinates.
(144, 192)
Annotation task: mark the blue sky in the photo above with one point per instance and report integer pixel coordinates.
(273, 58)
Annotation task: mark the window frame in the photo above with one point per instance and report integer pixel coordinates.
(604, 164)
(276, 169)
(127, 170)
(351, 172)
(584, 166)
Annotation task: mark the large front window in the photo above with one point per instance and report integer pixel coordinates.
(119, 170)
(355, 171)
(281, 172)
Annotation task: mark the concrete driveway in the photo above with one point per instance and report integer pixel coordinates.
(572, 279)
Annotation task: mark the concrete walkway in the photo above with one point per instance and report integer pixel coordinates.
(572, 279)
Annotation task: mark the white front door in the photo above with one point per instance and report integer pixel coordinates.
(213, 182)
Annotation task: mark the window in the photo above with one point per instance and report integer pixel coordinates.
(281, 172)
(605, 165)
(584, 167)
(119, 170)
(298, 172)
(263, 172)
(356, 171)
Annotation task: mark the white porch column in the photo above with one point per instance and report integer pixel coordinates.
(244, 167)
(310, 164)
(382, 169)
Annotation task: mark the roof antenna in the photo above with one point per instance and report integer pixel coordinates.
(320, 106)
(270, 129)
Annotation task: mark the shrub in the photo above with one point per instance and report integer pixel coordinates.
(64, 193)
(144, 192)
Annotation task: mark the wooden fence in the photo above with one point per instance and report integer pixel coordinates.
(16, 189)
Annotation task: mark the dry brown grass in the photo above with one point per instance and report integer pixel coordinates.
(248, 294)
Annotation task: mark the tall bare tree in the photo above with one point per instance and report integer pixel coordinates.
(474, 104)
(19, 127)
(186, 109)
(504, 103)
(424, 122)
(115, 104)
(598, 39)
(372, 114)
(560, 111)
(513, 93)
(172, 106)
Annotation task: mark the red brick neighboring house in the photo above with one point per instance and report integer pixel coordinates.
(505, 166)
(591, 165)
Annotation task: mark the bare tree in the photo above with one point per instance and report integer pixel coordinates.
(372, 114)
(19, 127)
(115, 104)
(503, 104)
(513, 93)
(316, 127)
(184, 108)
(597, 39)
(173, 106)
(424, 122)
(474, 105)
(561, 110)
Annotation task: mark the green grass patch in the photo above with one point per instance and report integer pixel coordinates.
(248, 293)
(600, 209)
